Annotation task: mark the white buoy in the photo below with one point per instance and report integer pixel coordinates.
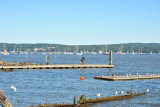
(14, 88)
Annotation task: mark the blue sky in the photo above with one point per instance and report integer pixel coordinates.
(80, 22)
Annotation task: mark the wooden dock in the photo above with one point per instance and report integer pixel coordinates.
(88, 102)
(57, 66)
(111, 98)
(6, 66)
(128, 77)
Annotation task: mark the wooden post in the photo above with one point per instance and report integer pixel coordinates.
(26, 59)
(3, 100)
(110, 58)
(83, 99)
(47, 59)
(74, 100)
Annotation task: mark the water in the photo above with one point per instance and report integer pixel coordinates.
(61, 85)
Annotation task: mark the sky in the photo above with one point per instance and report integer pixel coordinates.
(80, 22)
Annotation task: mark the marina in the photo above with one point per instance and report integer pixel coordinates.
(80, 53)
(127, 77)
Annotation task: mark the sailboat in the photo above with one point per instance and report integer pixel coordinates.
(132, 51)
(150, 52)
(141, 53)
(78, 52)
(14, 51)
(5, 50)
(120, 52)
(106, 53)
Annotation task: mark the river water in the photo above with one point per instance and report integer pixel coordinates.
(61, 85)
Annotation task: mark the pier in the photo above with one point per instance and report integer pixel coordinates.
(128, 77)
(57, 66)
(5, 66)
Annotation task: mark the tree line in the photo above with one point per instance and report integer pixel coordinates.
(124, 47)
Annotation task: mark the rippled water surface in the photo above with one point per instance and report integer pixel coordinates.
(61, 85)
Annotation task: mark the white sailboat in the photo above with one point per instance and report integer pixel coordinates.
(14, 51)
(141, 53)
(121, 51)
(132, 51)
(106, 53)
(151, 52)
(5, 50)
(78, 52)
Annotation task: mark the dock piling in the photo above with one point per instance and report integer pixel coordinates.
(74, 100)
(47, 59)
(110, 58)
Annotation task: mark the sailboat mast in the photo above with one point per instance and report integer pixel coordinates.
(106, 48)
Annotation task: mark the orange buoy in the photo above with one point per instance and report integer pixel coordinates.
(82, 78)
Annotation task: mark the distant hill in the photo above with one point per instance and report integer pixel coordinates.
(126, 47)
